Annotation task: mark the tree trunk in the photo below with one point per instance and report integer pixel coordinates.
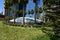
(14, 17)
(23, 16)
(43, 15)
(35, 11)
(14, 14)
(35, 17)
(38, 14)
(8, 14)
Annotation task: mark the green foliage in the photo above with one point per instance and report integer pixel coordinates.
(53, 14)
(29, 12)
(32, 11)
(34, 1)
(39, 9)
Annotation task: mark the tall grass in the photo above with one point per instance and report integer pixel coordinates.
(21, 33)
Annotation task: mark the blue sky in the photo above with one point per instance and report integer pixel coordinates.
(1, 5)
(30, 5)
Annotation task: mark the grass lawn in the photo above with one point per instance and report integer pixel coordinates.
(21, 33)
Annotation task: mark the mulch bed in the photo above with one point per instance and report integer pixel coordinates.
(1, 19)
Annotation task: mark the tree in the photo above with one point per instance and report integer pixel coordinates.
(7, 4)
(32, 11)
(14, 9)
(29, 12)
(45, 6)
(24, 2)
(38, 11)
(35, 8)
(52, 9)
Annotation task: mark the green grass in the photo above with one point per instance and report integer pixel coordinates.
(21, 33)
